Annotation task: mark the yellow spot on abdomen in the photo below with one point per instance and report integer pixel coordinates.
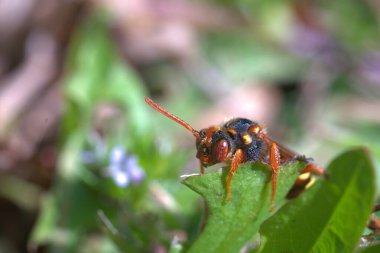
(312, 181)
(304, 176)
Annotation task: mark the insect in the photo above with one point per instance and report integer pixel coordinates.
(373, 225)
(241, 140)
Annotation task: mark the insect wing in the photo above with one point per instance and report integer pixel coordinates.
(285, 153)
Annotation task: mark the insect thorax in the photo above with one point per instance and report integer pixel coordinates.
(254, 149)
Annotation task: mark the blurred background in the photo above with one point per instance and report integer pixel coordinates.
(87, 166)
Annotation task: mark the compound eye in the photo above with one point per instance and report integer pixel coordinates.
(220, 151)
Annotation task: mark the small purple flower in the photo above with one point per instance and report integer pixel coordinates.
(136, 174)
(117, 155)
(123, 168)
(120, 177)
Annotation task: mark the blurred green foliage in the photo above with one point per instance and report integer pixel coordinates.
(70, 211)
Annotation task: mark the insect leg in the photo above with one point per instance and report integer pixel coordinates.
(236, 161)
(274, 162)
(373, 225)
(313, 168)
(201, 169)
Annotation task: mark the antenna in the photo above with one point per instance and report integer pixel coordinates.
(173, 117)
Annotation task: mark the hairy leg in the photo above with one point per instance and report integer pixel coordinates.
(236, 161)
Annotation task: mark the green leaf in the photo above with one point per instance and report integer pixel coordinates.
(43, 231)
(231, 224)
(329, 217)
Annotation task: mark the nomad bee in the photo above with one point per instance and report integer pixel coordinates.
(241, 140)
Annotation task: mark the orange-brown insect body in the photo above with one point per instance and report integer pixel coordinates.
(238, 141)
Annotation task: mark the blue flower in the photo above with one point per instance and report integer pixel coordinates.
(120, 176)
(136, 174)
(123, 168)
(117, 155)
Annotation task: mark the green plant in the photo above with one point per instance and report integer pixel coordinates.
(329, 217)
